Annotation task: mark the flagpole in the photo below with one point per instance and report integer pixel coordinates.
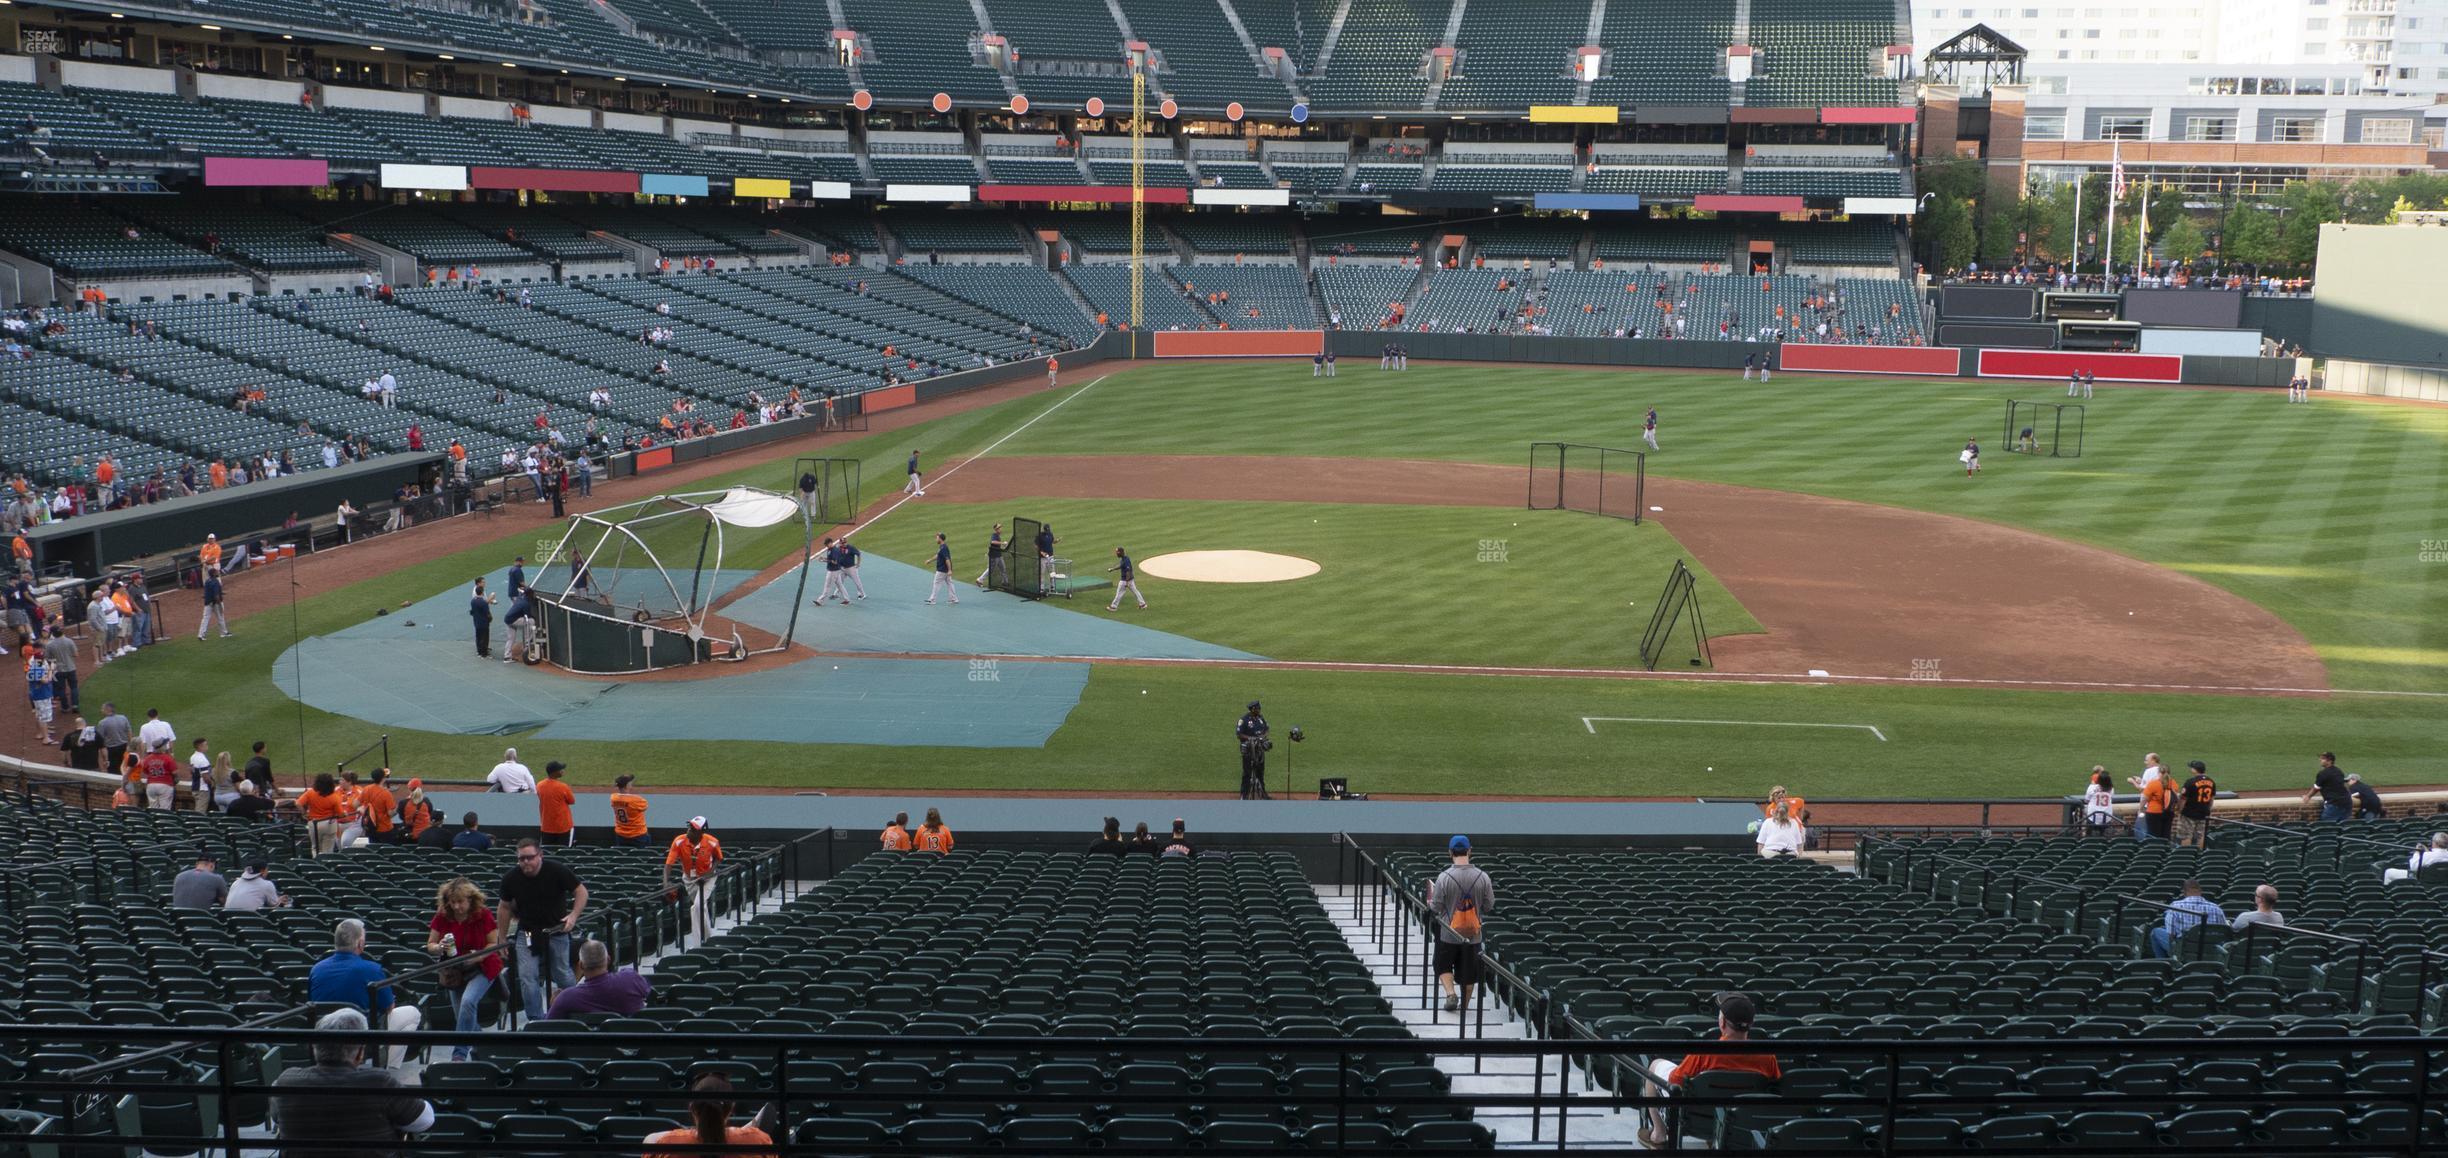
(2074, 261)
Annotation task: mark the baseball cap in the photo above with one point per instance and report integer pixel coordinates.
(258, 865)
(415, 784)
(2197, 766)
(697, 822)
(1458, 844)
(1253, 705)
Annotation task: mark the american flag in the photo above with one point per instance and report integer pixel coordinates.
(2116, 171)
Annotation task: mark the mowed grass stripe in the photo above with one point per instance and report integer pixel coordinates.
(2172, 476)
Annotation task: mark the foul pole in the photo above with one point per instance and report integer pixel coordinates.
(1138, 136)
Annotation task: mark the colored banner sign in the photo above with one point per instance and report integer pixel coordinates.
(1574, 114)
(266, 171)
(2057, 364)
(1241, 197)
(926, 192)
(1938, 361)
(1875, 115)
(1620, 202)
(1108, 194)
(760, 187)
(828, 190)
(452, 177)
(674, 185)
(1897, 206)
(1239, 343)
(1746, 203)
(551, 180)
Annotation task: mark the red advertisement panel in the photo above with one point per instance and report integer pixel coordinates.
(1240, 343)
(2060, 363)
(551, 180)
(1938, 361)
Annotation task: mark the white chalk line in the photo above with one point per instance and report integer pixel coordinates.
(1592, 722)
(1704, 677)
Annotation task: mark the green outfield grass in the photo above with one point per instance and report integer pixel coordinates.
(1453, 585)
(2317, 513)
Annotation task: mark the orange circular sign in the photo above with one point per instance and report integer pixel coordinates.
(1232, 112)
(1168, 108)
(1019, 104)
(862, 100)
(1096, 106)
(943, 102)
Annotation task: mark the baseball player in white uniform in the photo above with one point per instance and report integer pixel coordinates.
(1649, 428)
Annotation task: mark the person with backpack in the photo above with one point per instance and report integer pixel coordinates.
(1460, 898)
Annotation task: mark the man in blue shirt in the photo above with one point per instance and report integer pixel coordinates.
(913, 488)
(833, 560)
(470, 836)
(2184, 914)
(518, 574)
(519, 618)
(943, 571)
(1128, 582)
(850, 566)
(347, 978)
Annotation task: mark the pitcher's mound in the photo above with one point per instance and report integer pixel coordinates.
(1229, 567)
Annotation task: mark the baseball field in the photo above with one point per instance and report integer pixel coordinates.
(2220, 576)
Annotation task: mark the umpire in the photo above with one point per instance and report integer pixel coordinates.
(1251, 732)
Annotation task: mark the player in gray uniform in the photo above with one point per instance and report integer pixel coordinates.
(1129, 581)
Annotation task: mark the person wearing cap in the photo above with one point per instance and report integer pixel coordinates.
(201, 887)
(697, 853)
(554, 804)
(1460, 897)
(2367, 805)
(628, 814)
(254, 889)
(1251, 734)
(417, 813)
(1734, 1016)
(216, 606)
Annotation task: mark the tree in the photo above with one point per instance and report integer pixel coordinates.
(2309, 204)
(1949, 225)
(1999, 225)
(1954, 179)
(2182, 240)
(2252, 236)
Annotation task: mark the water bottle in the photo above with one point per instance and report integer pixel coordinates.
(450, 944)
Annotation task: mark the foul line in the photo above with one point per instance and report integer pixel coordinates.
(954, 469)
(1592, 722)
(1457, 669)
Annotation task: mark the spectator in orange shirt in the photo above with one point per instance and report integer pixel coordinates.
(1734, 1017)
(220, 474)
(320, 805)
(896, 834)
(628, 813)
(210, 556)
(2158, 813)
(697, 853)
(352, 819)
(710, 1118)
(1783, 805)
(553, 802)
(932, 836)
(378, 810)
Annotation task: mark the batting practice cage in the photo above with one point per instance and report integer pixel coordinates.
(1601, 480)
(828, 488)
(2044, 429)
(635, 588)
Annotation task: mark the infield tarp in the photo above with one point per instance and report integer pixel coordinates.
(417, 668)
